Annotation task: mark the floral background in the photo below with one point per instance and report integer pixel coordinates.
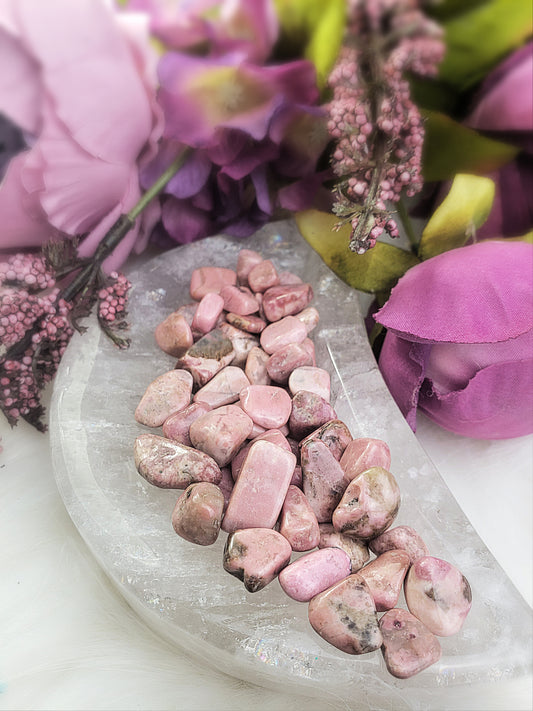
(397, 133)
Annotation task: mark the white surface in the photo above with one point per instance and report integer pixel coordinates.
(70, 642)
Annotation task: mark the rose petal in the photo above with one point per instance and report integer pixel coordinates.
(496, 404)
(20, 86)
(448, 297)
(403, 365)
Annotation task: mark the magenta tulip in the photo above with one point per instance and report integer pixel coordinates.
(459, 342)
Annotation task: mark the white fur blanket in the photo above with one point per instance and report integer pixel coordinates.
(68, 641)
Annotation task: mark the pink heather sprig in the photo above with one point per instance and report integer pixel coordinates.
(378, 130)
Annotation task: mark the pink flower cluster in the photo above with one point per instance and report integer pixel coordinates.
(34, 332)
(377, 127)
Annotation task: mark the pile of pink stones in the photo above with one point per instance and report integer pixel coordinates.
(249, 434)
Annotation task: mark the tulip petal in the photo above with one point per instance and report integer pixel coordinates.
(496, 404)
(403, 365)
(449, 297)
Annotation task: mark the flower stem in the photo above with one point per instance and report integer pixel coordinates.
(159, 184)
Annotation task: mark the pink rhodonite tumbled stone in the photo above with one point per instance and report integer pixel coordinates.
(250, 324)
(298, 522)
(255, 556)
(322, 479)
(207, 313)
(403, 538)
(286, 300)
(221, 432)
(242, 342)
(223, 388)
(171, 465)
(246, 259)
(309, 317)
(198, 513)
(309, 411)
(210, 279)
(177, 426)
(262, 276)
(385, 576)
(174, 335)
(362, 454)
(282, 363)
(168, 393)
(311, 379)
(408, 646)
(274, 436)
(334, 434)
(282, 333)
(313, 573)
(261, 488)
(239, 300)
(255, 368)
(438, 594)
(369, 505)
(345, 616)
(267, 405)
(357, 550)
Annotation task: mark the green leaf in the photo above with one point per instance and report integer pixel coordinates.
(464, 209)
(377, 270)
(479, 38)
(316, 28)
(450, 148)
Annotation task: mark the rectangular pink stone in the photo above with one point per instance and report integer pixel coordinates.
(260, 490)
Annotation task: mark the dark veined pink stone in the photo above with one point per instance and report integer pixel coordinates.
(356, 549)
(362, 454)
(286, 300)
(408, 646)
(198, 513)
(168, 393)
(309, 411)
(403, 538)
(384, 576)
(256, 556)
(298, 522)
(174, 335)
(322, 479)
(335, 435)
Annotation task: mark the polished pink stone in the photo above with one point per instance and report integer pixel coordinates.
(309, 317)
(261, 488)
(262, 276)
(168, 393)
(345, 616)
(287, 278)
(223, 388)
(203, 369)
(283, 362)
(335, 435)
(362, 454)
(309, 346)
(310, 378)
(177, 426)
(174, 335)
(256, 431)
(226, 484)
(221, 432)
(213, 345)
(256, 367)
(207, 313)
(282, 333)
(313, 573)
(198, 513)
(297, 477)
(298, 522)
(246, 259)
(369, 505)
(438, 594)
(267, 405)
(408, 646)
(250, 324)
(280, 301)
(205, 280)
(403, 538)
(239, 300)
(309, 411)
(274, 436)
(323, 479)
(187, 311)
(242, 343)
(356, 549)
(385, 576)
(256, 556)
(171, 465)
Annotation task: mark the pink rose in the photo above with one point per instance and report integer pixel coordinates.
(81, 85)
(459, 342)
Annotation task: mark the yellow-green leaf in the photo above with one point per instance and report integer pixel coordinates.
(479, 38)
(464, 209)
(528, 237)
(450, 148)
(377, 270)
(317, 27)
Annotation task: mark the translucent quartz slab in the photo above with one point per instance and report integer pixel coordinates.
(181, 589)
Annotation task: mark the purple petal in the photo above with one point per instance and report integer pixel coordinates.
(305, 193)
(475, 294)
(250, 26)
(183, 222)
(262, 196)
(252, 156)
(403, 364)
(191, 178)
(496, 404)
